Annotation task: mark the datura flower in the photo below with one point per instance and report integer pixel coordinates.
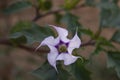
(61, 47)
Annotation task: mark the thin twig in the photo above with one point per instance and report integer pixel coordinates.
(32, 49)
(37, 17)
(91, 42)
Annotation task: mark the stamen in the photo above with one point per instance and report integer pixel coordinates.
(62, 48)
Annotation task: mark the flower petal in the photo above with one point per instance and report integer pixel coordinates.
(62, 33)
(75, 42)
(52, 56)
(68, 58)
(49, 41)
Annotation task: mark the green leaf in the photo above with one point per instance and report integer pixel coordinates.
(62, 73)
(90, 2)
(19, 40)
(105, 42)
(115, 22)
(58, 17)
(44, 4)
(115, 1)
(104, 1)
(15, 7)
(31, 31)
(101, 45)
(69, 4)
(20, 26)
(116, 36)
(72, 22)
(107, 4)
(109, 14)
(104, 17)
(79, 71)
(98, 49)
(46, 72)
(114, 61)
(87, 32)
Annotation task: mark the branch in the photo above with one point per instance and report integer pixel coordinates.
(32, 49)
(37, 17)
(27, 48)
(91, 42)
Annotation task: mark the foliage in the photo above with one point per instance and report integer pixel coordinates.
(72, 22)
(45, 72)
(29, 32)
(18, 6)
(44, 4)
(79, 71)
(114, 61)
(68, 4)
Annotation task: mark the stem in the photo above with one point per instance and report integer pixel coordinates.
(27, 48)
(53, 12)
(32, 49)
(37, 17)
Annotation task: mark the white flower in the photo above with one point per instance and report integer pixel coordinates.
(61, 47)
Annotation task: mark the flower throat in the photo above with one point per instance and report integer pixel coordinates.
(62, 48)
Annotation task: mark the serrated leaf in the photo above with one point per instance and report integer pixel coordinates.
(115, 22)
(98, 49)
(44, 4)
(15, 7)
(69, 4)
(19, 40)
(21, 26)
(31, 31)
(46, 72)
(72, 22)
(62, 73)
(90, 2)
(104, 17)
(105, 42)
(104, 1)
(114, 61)
(79, 71)
(86, 31)
(116, 36)
(106, 5)
(109, 13)
(109, 18)
(58, 17)
(101, 45)
(115, 1)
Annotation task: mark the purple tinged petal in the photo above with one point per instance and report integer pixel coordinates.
(62, 33)
(54, 43)
(75, 42)
(49, 41)
(68, 58)
(52, 56)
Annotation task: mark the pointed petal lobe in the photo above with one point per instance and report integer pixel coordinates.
(68, 58)
(52, 56)
(62, 33)
(49, 41)
(75, 42)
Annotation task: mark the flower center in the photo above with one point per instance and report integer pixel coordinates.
(62, 48)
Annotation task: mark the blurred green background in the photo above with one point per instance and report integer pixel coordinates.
(17, 63)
